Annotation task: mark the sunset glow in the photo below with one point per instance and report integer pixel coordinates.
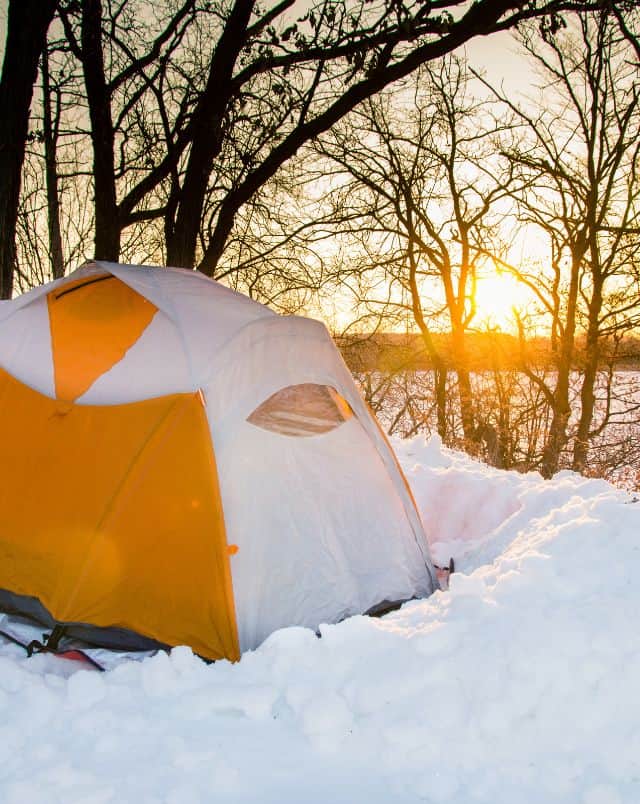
(498, 296)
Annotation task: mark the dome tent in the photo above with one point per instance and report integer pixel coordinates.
(184, 466)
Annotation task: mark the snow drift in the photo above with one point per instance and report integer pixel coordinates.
(519, 685)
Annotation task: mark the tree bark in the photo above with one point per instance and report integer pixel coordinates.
(439, 367)
(208, 136)
(51, 171)
(587, 390)
(465, 391)
(440, 387)
(27, 25)
(107, 220)
(557, 436)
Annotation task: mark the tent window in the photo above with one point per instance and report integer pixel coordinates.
(302, 410)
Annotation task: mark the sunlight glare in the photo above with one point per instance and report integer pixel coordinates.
(498, 296)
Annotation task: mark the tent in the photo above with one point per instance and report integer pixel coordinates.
(180, 465)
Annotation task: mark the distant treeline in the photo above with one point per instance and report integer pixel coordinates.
(486, 351)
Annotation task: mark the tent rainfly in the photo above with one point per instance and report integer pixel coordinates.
(180, 465)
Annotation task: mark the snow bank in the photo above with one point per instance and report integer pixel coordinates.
(519, 686)
(472, 511)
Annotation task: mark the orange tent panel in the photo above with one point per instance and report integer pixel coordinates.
(93, 323)
(111, 515)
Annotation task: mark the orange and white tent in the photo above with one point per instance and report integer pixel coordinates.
(180, 465)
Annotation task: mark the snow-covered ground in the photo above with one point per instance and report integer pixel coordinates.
(521, 685)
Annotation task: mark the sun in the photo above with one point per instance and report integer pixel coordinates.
(498, 297)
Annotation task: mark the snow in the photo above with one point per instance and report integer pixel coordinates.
(520, 685)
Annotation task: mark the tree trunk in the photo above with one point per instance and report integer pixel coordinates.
(108, 228)
(466, 406)
(587, 391)
(465, 391)
(220, 235)
(440, 386)
(208, 137)
(51, 170)
(439, 367)
(439, 376)
(557, 436)
(27, 25)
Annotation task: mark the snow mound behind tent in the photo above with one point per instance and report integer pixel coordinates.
(520, 685)
(472, 511)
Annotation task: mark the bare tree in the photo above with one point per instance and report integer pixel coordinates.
(628, 19)
(188, 129)
(123, 79)
(421, 186)
(581, 164)
(51, 114)
(27, 25)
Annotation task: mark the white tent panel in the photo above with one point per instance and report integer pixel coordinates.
(320, 529)
(206, 313)
(25, 346)
(287, 350)
(155, 365)
(323, 526)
